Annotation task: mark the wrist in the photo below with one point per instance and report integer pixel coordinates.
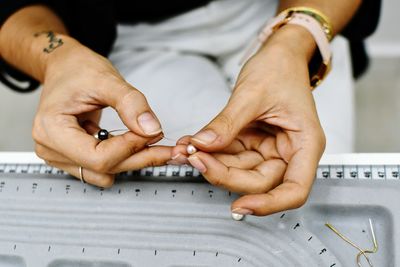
(52, 60)
(294, 39)
(23, 38)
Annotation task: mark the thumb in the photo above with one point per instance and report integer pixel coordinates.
(133, 109)
(222, 130)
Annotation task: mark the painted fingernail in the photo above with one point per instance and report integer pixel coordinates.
(149, 124)
(197, 163)
(205, 137)
(239, 213)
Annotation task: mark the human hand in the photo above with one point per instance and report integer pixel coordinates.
(267, 141)
(78, 84)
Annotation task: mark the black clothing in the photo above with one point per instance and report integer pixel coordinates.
(93, 23)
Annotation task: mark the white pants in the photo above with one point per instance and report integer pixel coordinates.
(186, 67)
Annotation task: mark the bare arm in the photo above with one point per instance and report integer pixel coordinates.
(77, 84)
(24, 36)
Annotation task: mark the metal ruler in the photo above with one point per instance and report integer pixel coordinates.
(374, 172)
(350, 166)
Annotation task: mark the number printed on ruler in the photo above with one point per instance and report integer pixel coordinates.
(362, 172)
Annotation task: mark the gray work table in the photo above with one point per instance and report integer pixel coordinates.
(49, 219)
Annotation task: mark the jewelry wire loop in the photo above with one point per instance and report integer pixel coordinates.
(362, 252)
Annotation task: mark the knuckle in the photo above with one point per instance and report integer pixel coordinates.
(136, 93)
(39, 150)
(316, 137)
(300, 199)
(154, 162)
(222, 179)
(131, 95)
(217, 181)
(226, 121)
(37, 129)
(99, 164)
(319, 135)
(152, 158)
(134, 144)
(41, 122)
(100, 168)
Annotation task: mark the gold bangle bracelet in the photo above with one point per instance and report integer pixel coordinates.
(316, 14)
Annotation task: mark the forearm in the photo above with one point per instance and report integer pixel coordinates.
(30, 37)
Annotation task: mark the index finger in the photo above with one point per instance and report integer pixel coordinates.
(69, 139)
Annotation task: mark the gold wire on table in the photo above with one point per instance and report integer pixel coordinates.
(362, 252)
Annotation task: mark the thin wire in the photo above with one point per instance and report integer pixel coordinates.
(373, 236)
(375, 249)
(125, 130)
(346, 239)
(118, 130)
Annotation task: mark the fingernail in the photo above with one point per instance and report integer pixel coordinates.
(178, 159)
(197, 163)
(149, 124)
(176, 156)
(242, 211)
(154, 140)
(175, 162)
(205, 137)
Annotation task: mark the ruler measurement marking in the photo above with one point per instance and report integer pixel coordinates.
(357, 172)
(384, 170)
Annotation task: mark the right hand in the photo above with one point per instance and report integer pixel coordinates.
(267, 141)
(78, 83)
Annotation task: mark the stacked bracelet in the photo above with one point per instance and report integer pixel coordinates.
(317, 15)
(315, 22)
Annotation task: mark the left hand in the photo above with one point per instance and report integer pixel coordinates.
(268, 140)
(74, 92)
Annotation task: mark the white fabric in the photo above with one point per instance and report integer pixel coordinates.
(171, 64)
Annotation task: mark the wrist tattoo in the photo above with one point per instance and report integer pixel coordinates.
(54, 41)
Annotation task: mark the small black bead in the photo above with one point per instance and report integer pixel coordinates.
(102, 134)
